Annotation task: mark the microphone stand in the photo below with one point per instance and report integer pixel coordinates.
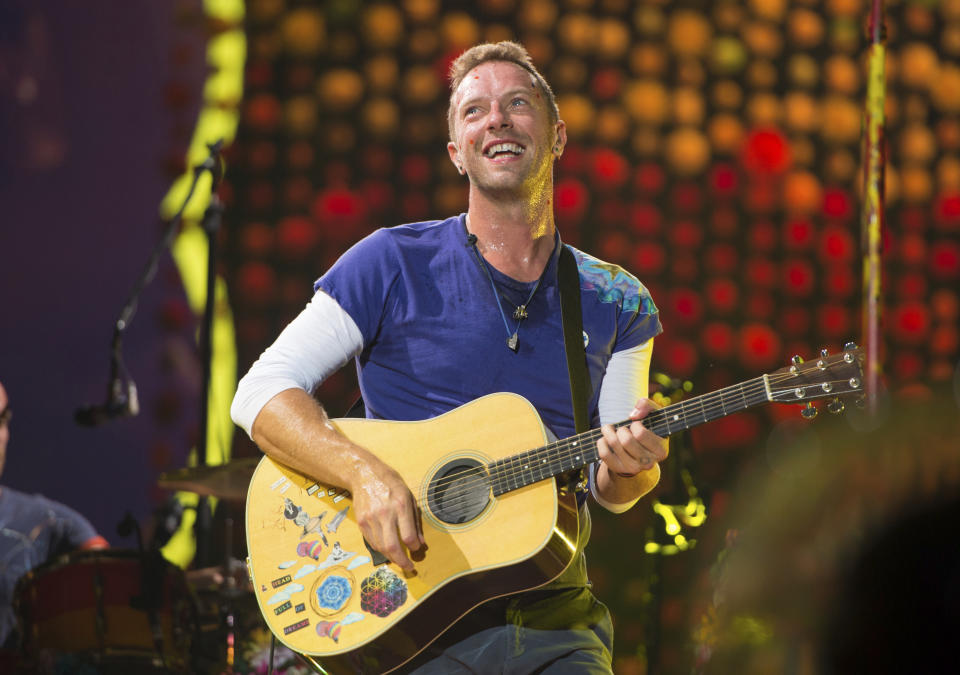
(126, 403)
(212, 218)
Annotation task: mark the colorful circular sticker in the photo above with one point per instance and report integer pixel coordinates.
(332, 591)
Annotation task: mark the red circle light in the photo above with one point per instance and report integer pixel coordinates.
(834, 321)
(722, 295)
(686, 305)
(722, 258)
(571, 197)
(945, 260)
(609, 169)
(686, 234)
(718, 340)
(836, 203)
(649, 178)
(645, 219)
(911, 322)
(759, 345)
(724, 179)
(839, 281)
(837, 245)
(649, 259)
(680, 357)
(296, 236)
(766, 152)
(799, 234)
(947, 210)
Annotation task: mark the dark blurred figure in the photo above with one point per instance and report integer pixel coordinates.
(33, 530)
(898, 606)
(846, 554)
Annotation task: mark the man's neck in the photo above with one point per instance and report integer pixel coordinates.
(515, 236)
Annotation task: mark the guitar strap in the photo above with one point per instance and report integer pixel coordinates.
(568, 279)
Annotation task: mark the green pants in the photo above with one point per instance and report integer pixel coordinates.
(553, 631)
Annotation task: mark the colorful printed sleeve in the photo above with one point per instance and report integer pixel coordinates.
(638, 318)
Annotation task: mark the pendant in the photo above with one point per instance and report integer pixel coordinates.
(520, 312)
(513, 342)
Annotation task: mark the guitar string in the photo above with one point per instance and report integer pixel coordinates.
(513, 463)
(706, 403)
(523, 465)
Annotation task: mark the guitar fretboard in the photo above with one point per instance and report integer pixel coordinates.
(575, 452)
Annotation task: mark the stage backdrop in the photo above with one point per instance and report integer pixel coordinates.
(714, 152)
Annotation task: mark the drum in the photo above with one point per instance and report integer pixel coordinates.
(116, 609)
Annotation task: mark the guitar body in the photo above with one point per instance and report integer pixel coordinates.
(325, 595)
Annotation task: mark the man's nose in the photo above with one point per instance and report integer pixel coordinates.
(498, 118)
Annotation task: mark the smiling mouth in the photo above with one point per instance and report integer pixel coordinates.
(503, 149)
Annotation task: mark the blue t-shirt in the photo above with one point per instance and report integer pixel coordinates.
(33, 531)
(434, 337)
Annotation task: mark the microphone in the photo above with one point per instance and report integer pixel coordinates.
(471, 240)
(213, 163)
(119, 404)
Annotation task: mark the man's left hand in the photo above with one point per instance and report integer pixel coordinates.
(632, 448)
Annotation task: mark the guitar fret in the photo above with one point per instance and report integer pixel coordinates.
(570, 457)
(732, 400)
(498, 473)
(508, 474)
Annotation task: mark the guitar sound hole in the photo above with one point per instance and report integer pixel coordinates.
(459, 491)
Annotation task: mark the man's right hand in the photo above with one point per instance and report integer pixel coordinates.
(294, 430)
(387, 513)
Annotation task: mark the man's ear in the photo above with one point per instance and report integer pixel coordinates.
(454, 153)
(561, 141)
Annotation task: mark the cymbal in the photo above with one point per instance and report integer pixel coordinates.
(226, 481)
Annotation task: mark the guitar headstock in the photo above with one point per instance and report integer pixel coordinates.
(829, 376)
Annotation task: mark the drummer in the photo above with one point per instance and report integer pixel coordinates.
(33, 531)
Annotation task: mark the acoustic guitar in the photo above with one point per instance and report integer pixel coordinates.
(494, 519)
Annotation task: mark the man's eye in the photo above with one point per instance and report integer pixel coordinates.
(518, 101)
(471, 110)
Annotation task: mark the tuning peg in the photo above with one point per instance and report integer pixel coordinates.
(822, 361)
(850, 347)
(835, 406)
(809, 411)
(796, 360)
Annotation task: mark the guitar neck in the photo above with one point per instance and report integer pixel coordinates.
(575, 452)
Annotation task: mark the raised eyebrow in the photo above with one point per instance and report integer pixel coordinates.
(464, 105)
(511, 93)
(519, 92)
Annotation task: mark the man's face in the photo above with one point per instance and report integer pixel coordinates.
(503, 136)
(4, 426)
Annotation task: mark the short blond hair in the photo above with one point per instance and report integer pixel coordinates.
(511, 52)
